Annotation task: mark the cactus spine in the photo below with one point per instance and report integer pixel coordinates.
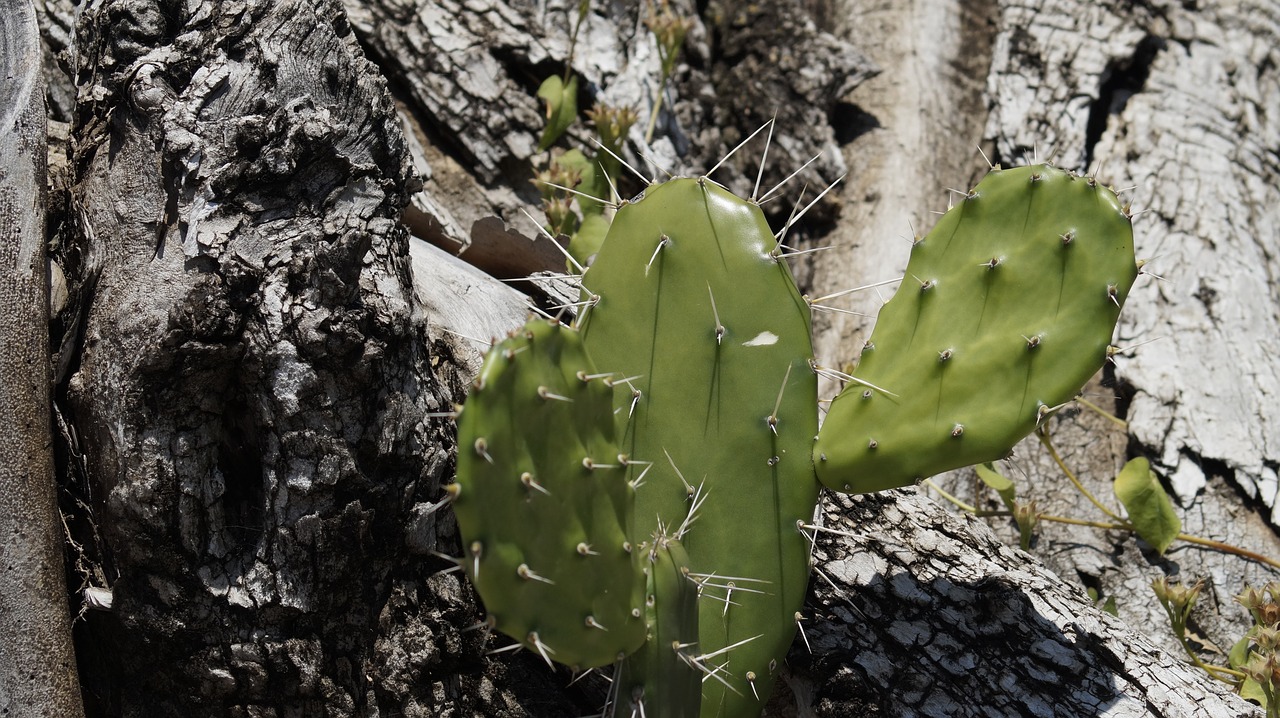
(1006, 309)
(663, 677)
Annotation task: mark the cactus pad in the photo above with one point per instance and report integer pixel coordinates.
(1006, 309)
(691, 304)
(543, 503)
(660, 679)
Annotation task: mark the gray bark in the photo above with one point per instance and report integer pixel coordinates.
(256, 353)
(918, 612)
(250, 392)
(1181, 105)
(37, 664)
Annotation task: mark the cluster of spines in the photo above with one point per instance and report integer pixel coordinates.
(700, 318)
(792, 414)
(665, 676)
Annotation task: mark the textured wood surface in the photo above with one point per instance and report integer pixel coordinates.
(37, 665)
(251, 391)
(916, 612)
(1180, 106)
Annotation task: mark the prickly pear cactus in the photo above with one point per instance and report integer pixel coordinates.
(662, 678)
(1007, 308)
(691, 304)
(543, 503)
(572, 482)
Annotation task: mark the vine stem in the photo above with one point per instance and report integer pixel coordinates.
(1123, 526)
(959, 504)
(584, 7)
(1228, 548)
(1119, 525)
(1233, 677)
(1102, 412)
(1043, 435)
(653, 116)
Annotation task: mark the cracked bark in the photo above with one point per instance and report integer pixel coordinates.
(1179, 103)
(920, 613)
(37, 661)
(249, 394)
(254, 348)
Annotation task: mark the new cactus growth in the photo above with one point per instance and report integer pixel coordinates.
(665, 676)
(570, 483)
(1006, 309)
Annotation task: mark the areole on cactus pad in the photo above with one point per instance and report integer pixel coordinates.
(673, 432)
(543, 503)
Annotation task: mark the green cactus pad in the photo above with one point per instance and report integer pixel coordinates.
(692, 303)
(1006, 310)
(543, 504)
(660, 678)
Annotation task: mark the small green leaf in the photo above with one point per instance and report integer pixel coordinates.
(1150, 510)
(1252, 691)
(562, 108)
(584, 243)
(1239, 654)
(999, 483)
(1238, 658)
(1109, 606)
(593, 183)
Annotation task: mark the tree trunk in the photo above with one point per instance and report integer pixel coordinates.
(37, 663)
(256, 357)
(250, 392)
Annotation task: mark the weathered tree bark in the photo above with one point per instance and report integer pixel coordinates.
(250, 393)
(256, 352)
(1180, 104)
(37, 664)
(917, 612)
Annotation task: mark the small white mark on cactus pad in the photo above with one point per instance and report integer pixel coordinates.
(763, 339)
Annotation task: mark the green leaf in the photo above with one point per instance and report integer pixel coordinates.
(584, 243)
(1238, 658)
(1239, 654)
(562, 108)
(1150, 510)
(1252, 691)
(593, 183)
(999, 483)
(1109, 606)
